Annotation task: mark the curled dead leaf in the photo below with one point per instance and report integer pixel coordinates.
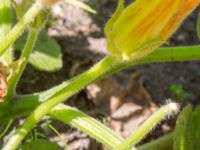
(3, 82)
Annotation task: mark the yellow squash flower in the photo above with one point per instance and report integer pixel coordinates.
(143, 26)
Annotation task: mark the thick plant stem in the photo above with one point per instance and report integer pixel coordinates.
(107, 66)
(170, 54)
(72, 117)
(32, 37)
(18, 29)
(148, 125)
(75, 85)
(6, 15)
(87, 124)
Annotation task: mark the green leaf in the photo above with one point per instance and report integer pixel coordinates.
(198, 26)
(187, 131)
(46, 55)
(40, 145)
(181, 134)
(196, 129)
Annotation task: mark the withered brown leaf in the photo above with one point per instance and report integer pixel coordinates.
(3, 82)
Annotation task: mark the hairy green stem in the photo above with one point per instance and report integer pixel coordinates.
(170, 54)
(18, 29)
(6, 14)
(75, 85)
(32, 37)
(105, 67)
(71, 116)
(87, 124)
(148, 125)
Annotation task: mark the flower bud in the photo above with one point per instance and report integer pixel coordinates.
(143, 26)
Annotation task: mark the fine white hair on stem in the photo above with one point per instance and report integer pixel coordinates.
(151, 123)
(173, 107)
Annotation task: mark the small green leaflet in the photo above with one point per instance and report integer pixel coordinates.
(46, 55)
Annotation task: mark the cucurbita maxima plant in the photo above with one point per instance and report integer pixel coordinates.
(134, 34)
